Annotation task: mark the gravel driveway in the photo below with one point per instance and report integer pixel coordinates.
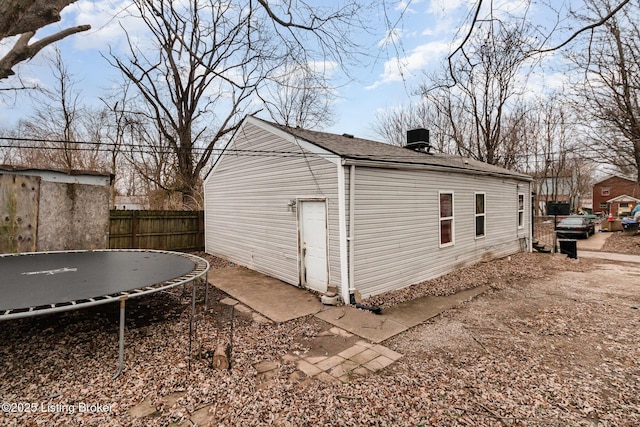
(554, 342)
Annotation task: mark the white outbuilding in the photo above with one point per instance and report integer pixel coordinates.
(321, 210)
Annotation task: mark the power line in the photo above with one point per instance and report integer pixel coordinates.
(110, 147)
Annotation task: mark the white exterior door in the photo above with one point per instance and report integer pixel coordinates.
(313, 244)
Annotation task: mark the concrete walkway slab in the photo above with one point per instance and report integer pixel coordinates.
(394, 320)
(282, 302)
(414, 312)
(611, 256)
(373, 327)
(270, 297)
(593, 243)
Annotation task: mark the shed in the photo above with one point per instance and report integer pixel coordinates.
(321, 210)
(52, 210)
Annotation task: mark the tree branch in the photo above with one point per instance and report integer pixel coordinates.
(22, 50)
(585, 28)
(22, 16)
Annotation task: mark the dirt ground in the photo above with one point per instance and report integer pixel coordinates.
(622, 243)
(554, 342)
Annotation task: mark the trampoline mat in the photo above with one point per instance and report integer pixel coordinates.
(33, 280)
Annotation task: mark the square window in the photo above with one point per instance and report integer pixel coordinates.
(605, 191)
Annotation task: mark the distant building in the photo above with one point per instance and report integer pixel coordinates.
(560, 188)
(130, 203)
(607, 195)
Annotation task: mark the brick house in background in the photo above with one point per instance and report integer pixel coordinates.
(612, 188)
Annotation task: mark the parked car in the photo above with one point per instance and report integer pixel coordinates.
(575, 226)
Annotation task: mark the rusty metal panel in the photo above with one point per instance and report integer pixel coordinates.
(19, 196)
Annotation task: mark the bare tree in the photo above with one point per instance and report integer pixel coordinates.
(197, 75)
(63, 133)
(590, 24)
(609, 94)
(490, 80)
(299, 96)
(552, 151)
(23, 18)
(392, 125)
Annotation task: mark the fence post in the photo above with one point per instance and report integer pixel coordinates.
(134, 230)
(200, 238)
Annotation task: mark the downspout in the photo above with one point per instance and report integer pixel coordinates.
(352, 216)
(532, 218)
(342, 225)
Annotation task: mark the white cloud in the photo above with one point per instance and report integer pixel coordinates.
(442, 26)
(445, 8)
(391, 37)
(404, 6)
(6, 45)
(399, 69)
(106, 18)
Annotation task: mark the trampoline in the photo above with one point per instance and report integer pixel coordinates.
(38, 283)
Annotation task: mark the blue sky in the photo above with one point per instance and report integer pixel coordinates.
(388, 78)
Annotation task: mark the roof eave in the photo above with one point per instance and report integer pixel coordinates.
(347, 161)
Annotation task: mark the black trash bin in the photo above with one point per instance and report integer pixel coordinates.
(569, 247)
(630, 226)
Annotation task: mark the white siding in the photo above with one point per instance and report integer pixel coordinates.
(247, 219)
(396, 225)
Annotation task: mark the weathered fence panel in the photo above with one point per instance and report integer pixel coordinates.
(19, 197)
(165, 230)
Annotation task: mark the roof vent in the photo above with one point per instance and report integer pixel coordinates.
(418, 140)
(347, 135)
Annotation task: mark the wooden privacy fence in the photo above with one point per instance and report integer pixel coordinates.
(165, 230)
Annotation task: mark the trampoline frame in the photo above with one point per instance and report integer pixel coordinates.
(201, 268)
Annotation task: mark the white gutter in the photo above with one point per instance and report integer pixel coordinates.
(342, 225)
(531, 219)
(352, 216)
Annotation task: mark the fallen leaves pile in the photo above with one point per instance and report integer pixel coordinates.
(622, 243)
(554, 342)
(497, 273)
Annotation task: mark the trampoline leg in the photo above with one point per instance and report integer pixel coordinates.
(206, 291)
(121, 340)
(193, 311)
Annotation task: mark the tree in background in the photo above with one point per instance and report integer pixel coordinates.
(608, 92)
(480, 91)
(199, 72)
(392, 125)
(63, 133)
(300, 95)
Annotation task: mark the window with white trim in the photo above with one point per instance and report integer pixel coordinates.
(480, 215)
(446, 218)
(520, 210)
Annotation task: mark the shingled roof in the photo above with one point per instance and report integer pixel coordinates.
(367, 151)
